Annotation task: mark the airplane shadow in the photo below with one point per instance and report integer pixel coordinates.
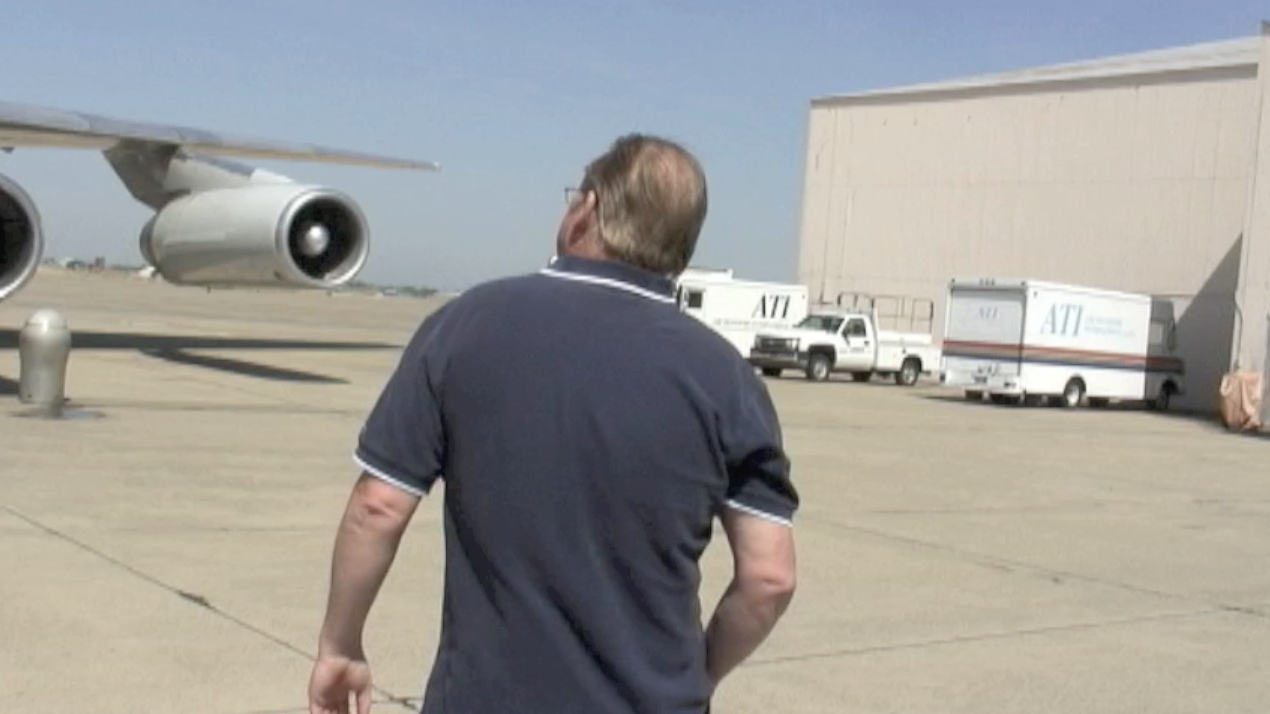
(241, 367)
(176, 349)
(82, 340)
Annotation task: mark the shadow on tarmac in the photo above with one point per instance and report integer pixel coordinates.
(242, 367)
(176, 349)
(82, 340)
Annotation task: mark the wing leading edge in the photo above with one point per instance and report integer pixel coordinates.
(22, 125)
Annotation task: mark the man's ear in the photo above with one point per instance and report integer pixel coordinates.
(580, 222)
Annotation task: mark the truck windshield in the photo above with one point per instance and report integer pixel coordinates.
(824, 323)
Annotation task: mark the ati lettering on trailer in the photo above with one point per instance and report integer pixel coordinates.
(1063, 319)
(772, 307)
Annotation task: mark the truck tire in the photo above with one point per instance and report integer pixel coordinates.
(1073, 393)
(1164, 398)
(819, 365)
(909, 372)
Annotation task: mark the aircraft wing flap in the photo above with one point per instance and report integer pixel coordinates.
(22, 125)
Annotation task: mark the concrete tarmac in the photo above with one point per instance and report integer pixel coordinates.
(169, 549)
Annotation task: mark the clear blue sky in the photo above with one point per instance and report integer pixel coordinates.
(514, 97)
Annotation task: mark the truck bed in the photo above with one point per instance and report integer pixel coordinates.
(893, 348)
(904, 338)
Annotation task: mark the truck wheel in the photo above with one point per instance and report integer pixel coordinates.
(909, 372)
(818, 367)
(1073, 393)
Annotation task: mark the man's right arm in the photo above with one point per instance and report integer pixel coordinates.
(761, 589)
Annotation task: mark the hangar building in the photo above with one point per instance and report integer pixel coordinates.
(1147, 172)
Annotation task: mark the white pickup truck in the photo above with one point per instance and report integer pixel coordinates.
(833, 341)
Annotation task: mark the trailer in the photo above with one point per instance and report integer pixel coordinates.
(739, 309)
(1033, 340)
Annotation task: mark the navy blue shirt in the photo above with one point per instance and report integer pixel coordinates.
(587, 432)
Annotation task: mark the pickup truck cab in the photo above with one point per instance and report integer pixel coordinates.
(830, 341)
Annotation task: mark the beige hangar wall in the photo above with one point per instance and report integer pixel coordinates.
(1126, 182)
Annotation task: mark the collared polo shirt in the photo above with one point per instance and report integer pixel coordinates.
(587, 432)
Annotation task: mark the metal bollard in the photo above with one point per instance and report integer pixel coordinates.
(44, 347)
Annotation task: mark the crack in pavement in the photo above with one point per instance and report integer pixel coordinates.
(1244, 610)
(411, 703)
(1000, 563)
(1053, 574)
(987, 636)
(981, 511)
(163, 529)
(191, 598)
(232, 407)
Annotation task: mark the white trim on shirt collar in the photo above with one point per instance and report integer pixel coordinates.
(610, 282)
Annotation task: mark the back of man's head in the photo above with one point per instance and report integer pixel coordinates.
(651, 202)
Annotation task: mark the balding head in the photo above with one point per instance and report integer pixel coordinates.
(642, 202)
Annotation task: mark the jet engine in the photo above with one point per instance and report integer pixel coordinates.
(258, 234)
(21, 238)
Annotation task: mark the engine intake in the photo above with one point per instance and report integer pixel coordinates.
(263, 234)
(21, 238)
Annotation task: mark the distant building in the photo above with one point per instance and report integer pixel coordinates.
(1135, 172)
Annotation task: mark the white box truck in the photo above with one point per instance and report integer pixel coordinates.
(739, 309)
(1032, 340)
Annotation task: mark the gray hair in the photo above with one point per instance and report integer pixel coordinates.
(650, 200)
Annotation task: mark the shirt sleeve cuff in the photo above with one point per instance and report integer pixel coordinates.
(387, 474)
(781, 516)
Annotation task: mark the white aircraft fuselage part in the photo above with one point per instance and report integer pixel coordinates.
(217, 221)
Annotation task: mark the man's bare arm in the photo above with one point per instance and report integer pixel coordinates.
(761, 589)
(365, 546)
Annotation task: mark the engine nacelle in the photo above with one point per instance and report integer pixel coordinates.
(21, 238)
(262, 234)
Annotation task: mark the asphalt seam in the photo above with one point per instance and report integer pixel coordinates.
(1000, 563)
(191, 598)
(1052, 574)
(411, 703)
(179, 529)
(986, 511)
(988, 636)
(276, 408)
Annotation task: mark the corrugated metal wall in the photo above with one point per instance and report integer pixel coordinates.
(1136, 186)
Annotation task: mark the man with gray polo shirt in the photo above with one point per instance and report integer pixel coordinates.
(588, 432)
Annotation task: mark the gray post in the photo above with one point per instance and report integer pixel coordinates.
(44, 347)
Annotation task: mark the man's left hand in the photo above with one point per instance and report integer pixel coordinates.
(335, 679)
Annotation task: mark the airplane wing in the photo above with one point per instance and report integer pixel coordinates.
(22, 125)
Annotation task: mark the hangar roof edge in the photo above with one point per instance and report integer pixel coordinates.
(1239, 52)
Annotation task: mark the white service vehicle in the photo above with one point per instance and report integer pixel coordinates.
(739, 309)
(1031, 340)
(835, 340)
